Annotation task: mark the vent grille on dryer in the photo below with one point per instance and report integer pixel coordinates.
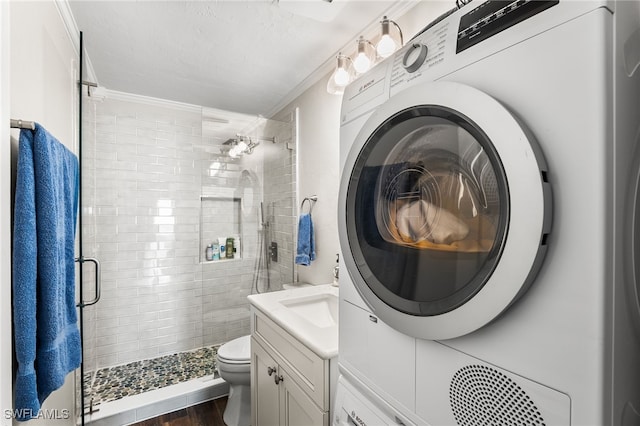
(481, 395)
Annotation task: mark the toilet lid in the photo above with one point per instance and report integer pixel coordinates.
(236, 350)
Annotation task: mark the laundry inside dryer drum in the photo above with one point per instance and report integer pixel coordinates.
(431, 209)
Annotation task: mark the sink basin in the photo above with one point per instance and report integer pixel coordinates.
(309, 314)
(320, 310)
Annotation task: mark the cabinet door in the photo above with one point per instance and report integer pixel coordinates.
(311, 372)
(296, 407)
(265, 406)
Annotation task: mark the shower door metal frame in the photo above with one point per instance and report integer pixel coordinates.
(81, 259)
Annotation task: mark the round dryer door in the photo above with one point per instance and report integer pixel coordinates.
(444, 210)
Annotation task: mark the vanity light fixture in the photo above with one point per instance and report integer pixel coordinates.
(390, 41)
(366, 56)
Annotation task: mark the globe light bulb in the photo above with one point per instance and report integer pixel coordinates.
(386, 46)
(365, 56)
(362, 63)
(341, 77)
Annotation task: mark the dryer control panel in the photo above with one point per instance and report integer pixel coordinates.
(442, 41)
(494, 16)
(421, 54)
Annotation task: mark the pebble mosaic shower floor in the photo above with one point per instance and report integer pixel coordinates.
(110, 384)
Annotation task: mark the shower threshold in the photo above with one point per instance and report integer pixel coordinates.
(140, 390)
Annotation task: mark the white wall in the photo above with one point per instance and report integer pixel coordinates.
(5, 217)
(42, 81)
(318, 174)
(318, 151)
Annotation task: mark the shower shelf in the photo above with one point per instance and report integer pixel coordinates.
(207, 262)
(220, 217)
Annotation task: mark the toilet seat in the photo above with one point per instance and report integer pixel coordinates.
(236, 351)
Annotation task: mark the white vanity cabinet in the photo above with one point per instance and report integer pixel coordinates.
(276, 398)
(290, 383)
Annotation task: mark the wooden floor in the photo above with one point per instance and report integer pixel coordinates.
(206, 414)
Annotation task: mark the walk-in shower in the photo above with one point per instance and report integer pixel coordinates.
(157, 190)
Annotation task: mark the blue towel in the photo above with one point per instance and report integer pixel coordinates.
(306, 243)
(46, 334)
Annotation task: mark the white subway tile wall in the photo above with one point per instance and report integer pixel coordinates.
(146, 171)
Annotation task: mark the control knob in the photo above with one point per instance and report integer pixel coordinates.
(414, 57)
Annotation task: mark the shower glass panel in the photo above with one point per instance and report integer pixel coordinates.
(158, 187)
(251, 198)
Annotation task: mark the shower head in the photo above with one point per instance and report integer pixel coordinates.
(265, 215)
(265, 224)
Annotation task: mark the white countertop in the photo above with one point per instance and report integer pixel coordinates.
(321, 340)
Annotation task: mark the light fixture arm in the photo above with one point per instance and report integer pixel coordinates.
(398, 27)
(344, 62)
(362, 42)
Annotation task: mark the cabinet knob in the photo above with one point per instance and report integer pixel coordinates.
(270, 370)
(278, 379)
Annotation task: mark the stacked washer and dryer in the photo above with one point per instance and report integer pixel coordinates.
(489, 222)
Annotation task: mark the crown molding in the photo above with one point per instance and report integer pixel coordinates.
(148, 100)
(64, 9)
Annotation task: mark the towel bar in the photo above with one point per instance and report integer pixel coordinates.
(19, 124)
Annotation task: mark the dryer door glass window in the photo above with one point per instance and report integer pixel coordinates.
(427, 210)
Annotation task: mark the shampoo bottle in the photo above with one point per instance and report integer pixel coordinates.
(222, 242)
(229, 248)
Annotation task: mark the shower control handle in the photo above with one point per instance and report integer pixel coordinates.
(271, 370)
(278, 379)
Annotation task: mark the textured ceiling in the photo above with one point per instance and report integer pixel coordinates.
(244, 56)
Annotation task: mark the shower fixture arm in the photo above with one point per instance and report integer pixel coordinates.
(265, 139)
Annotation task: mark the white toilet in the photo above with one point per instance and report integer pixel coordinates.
(234, 366)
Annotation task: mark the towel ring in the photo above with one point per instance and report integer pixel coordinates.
(312, 201)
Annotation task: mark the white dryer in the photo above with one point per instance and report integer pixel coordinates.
(488, 218)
